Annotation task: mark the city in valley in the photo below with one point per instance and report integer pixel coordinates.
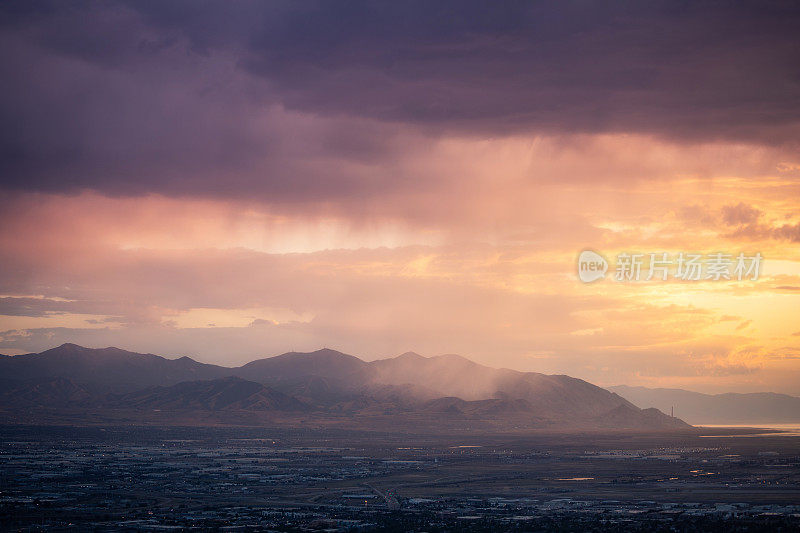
(174, 478)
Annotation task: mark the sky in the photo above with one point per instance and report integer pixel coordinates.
(231, 181)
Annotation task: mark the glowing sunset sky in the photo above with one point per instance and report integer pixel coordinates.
(231, 181)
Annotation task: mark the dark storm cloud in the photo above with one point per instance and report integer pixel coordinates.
(668, 68)
(191, 97)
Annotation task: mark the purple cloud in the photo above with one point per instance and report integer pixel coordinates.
(187, 98)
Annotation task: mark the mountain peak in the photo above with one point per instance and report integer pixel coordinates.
(67, 348)
(326, 363)
(108, 367)
(323, 354)
(452, 358)
(410, 356)
(70, 348)
(329, 351)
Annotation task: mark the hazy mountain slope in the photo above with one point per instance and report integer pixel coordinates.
(491, 407)
(447, 375)
(633, 418)
(452, 375)
(730, 408)
(220, 394)
(48, 392)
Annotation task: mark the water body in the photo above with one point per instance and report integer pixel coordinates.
(753, 430)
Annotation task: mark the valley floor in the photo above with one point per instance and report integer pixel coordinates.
(145, 478)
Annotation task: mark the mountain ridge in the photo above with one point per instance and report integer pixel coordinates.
(325, 382)
(724, 408)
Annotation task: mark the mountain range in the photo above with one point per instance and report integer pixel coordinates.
(324, 387)
(730, 408)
